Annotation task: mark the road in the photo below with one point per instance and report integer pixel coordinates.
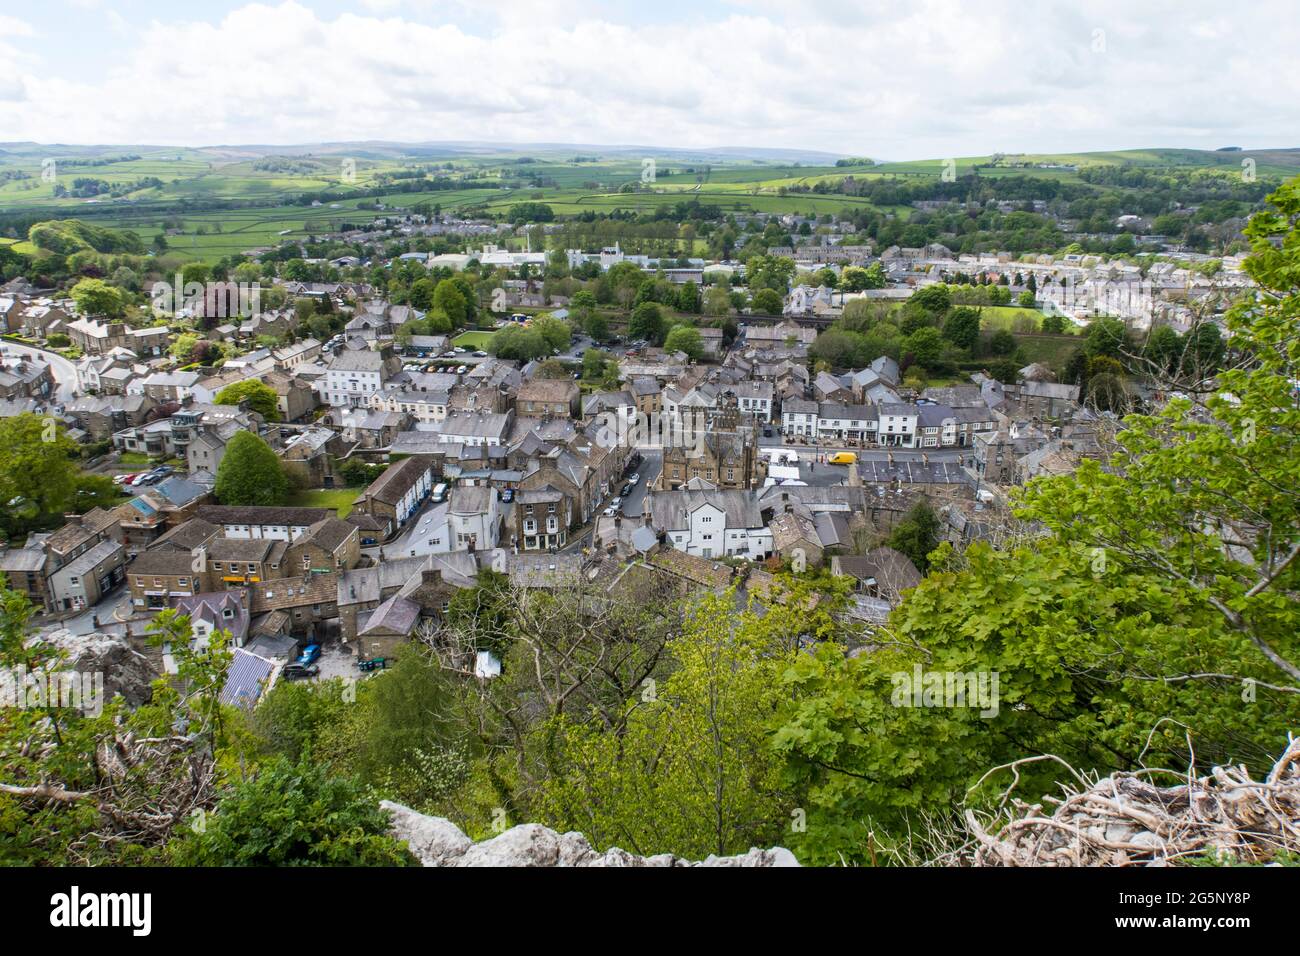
(651, 462)
(112, 612)
(65, 375)
(873, 452)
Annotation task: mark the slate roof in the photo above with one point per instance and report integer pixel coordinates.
(397, 615)
(247, 678)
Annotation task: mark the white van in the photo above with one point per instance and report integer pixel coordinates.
(440, 492)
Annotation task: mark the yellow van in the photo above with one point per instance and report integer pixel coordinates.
(843, 458)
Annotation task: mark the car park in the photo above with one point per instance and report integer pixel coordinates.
(296, 671)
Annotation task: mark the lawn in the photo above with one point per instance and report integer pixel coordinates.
(474, 340)
(340, 499)
(1052, 350)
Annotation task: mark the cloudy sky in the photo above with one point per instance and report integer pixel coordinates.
(929, 78)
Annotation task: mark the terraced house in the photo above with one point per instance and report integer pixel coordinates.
(397, 494)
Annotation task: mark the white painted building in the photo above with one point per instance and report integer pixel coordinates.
(352, 377)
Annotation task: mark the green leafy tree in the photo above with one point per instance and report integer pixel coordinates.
(935, 299)
(450, 298)
(717, 301)
(250, 473)
(688, 298)
(288, 815)
(1150, 623)
(1053, 324)
(962, 327)
(924, 345)
(647, 322)
(261, 397)
(1002, 342)
(556, 332)
(97, 297)
(917, 534)
(516, 342)
(685, 338)
(693, 772)
(38, 474)
(767, 302)
(1106, 337)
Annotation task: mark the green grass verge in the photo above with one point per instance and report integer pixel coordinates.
(340, 499)
(474, 340)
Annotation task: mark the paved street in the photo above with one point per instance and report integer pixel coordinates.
(113, 611)
(651, 462)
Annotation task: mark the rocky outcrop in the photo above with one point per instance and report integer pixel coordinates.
(124, 670)
(436, 841)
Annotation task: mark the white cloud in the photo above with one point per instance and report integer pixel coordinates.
(934, 79)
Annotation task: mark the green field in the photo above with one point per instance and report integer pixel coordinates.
(340, 499)
(474, 340)
(222, 201)
(1051, 350)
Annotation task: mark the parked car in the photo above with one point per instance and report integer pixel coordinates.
(462, 370)
(296, 671)
(480, 354)
(843, 458)
(162, 471)
(626, 490)
(125, 479)
(610, 511)
(310, 655)
(616, 503)
(458, 350)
